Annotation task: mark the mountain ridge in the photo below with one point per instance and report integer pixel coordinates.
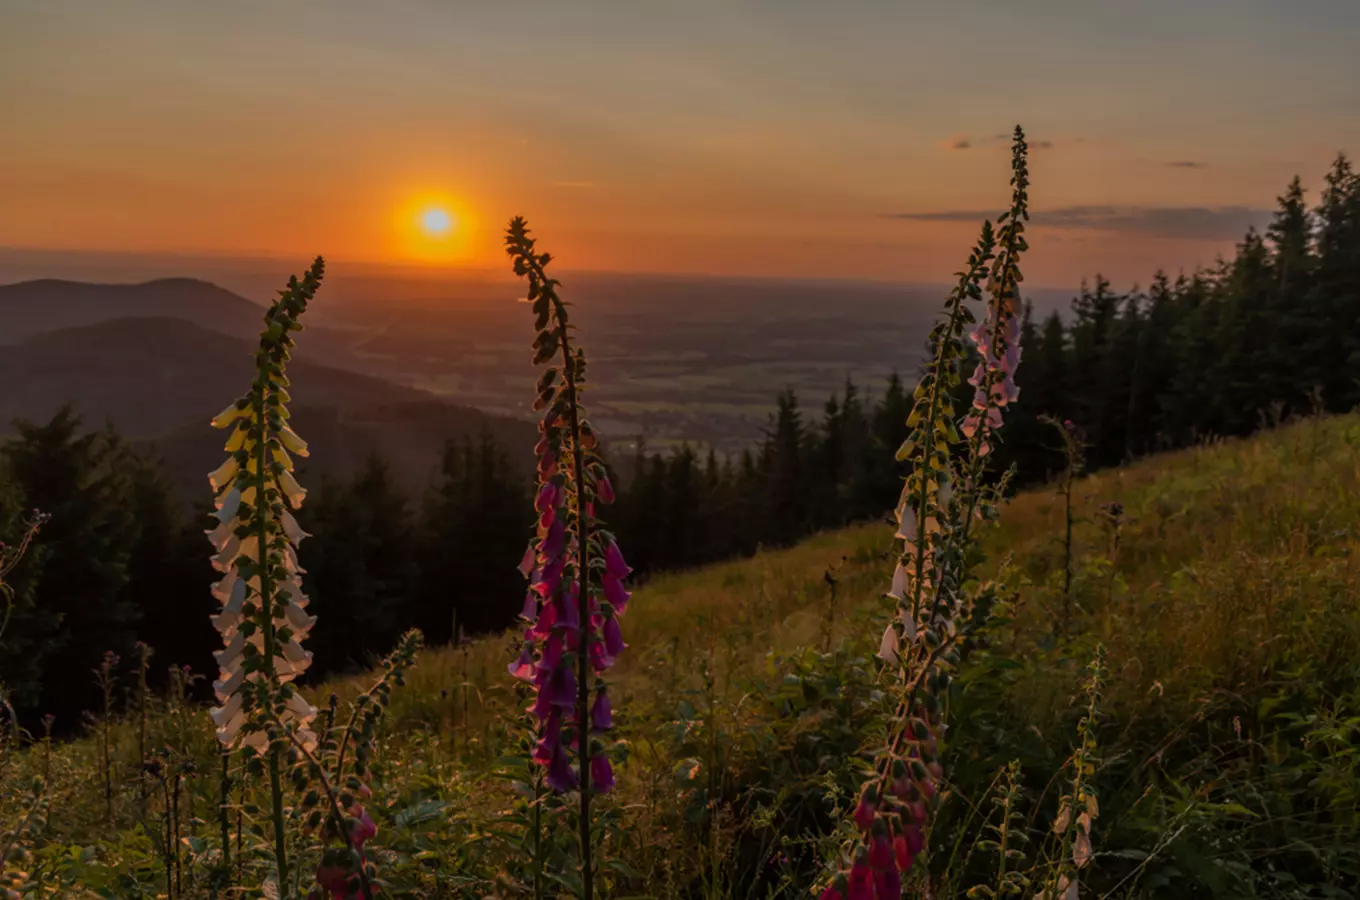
(32, 307)
(159, 380)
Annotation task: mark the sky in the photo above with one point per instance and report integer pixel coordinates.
(788, 138)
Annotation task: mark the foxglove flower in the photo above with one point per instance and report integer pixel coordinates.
(836, 890)
(576, 571)
(941, 496)
(998, 337)
(861, 880)
(602, 713)
(601, 773)
(262, 615)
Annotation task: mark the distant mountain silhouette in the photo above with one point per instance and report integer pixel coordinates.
(160, 380)
(31, 307)
(149, 375)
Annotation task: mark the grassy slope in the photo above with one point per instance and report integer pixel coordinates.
(1236, 563)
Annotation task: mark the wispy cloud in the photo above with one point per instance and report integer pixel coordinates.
(1188, 222)
(993, 142)
(1186, 164)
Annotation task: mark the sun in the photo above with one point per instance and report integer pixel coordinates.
(434, 227)
(436, 221)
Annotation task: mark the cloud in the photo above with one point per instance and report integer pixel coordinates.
(957, 142)
(1002, 141)
(1186, 164)
(1216, 223)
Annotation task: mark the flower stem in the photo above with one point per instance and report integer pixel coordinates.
(583, 604)
(267, 609)
(223, 816)
(539, 796)
(336, 815)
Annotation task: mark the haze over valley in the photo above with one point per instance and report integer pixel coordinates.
(675, 358)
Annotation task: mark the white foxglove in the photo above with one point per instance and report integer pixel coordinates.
(262, 615)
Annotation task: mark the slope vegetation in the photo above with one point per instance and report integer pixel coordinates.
(1223, 591)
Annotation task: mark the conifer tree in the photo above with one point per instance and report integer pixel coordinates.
(79, 575)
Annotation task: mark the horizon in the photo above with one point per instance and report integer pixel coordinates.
(26, 264)
(816, 143)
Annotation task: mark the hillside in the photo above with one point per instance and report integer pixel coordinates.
(152, 378)
(1224, 595)
(32, 307)
(149, 375)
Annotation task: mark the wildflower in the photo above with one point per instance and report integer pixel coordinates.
(613, 638)
(262, 615)
(1081, 849)
(614, 563)
(880, 848)
(1066, 889)
(861, 880)
(568, 607)
(550, 740)
(560, 687)
(903, 855)
(602, 713)
(523, 668)
(887, 884)
(942, 495)
(601, 773)
(561, 776)
(615, 593)
(334, 877)
(866, 809)
(887, 647)
(576, 626)
(361, 827)
(836, 890)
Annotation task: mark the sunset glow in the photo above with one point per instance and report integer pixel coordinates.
(436, 222)
(700, 159)
(434, 227)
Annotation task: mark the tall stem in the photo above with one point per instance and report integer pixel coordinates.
(267, 608)
(583, 607)
(539, 796)
(169, 840)
(1067, 542)
(337, 816)
(141, 725)
(174, 817)
(223, 819)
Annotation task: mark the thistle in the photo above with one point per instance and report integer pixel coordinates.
(575, 569)
(935, 607)
(263, 618)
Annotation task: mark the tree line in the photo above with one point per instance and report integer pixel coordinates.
(1271, 332)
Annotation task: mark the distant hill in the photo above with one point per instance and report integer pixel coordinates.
(31, 307)
(410, 435)
(149, 375)
(160, 380)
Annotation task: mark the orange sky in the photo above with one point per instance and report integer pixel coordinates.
(854, 139)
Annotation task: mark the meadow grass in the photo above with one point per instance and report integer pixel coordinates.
(1227, 601)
